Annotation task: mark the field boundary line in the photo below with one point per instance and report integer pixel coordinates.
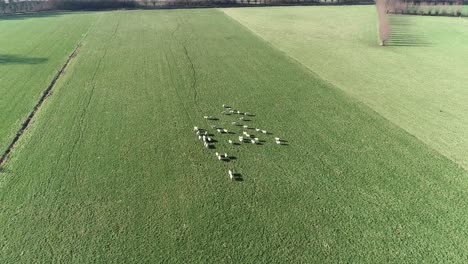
(30, 117)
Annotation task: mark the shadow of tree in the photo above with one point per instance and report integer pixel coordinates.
(16, 59)
(36, 15)
(404, 33)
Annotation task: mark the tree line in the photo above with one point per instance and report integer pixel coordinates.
(428, 7)
(20, 6)
(417, 7)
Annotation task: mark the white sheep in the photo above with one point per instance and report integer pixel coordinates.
(257, 129)
(231, 175)
(253, 141)
(204, 138)
(206, 145)
(256, 139)
(241, 139)
(199, 137)
(246, 126)
(277, 139)
(195, 128)
(230, 141)
(206, 117)
(264, 132)
(208, 138)
(219, 130)
(225, 130)
(278, 142)
(217, 154)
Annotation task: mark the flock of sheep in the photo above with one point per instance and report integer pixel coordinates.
(246, 138)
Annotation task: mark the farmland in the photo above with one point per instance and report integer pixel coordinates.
(418, 82)
(32, 49)
(111, 171)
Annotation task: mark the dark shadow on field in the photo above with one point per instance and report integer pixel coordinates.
(16, 59)
(237, 177)
(404, 34)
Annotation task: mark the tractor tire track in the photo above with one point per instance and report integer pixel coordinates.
(193, 69)
(194, 75)
(194, 83)
(175, 88)
(81, 123)
(172, 75)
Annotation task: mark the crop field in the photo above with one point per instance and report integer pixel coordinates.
(32, 49)
(110, 169)
(418, 82)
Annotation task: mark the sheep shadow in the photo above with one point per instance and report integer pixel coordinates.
(237, 177)
(229, 159)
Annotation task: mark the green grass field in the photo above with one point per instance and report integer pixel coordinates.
(418, 82)
(110, 169)
(32, 49)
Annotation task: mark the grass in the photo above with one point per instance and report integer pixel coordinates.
(32, 49)
(418, 82)
(111, 171)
